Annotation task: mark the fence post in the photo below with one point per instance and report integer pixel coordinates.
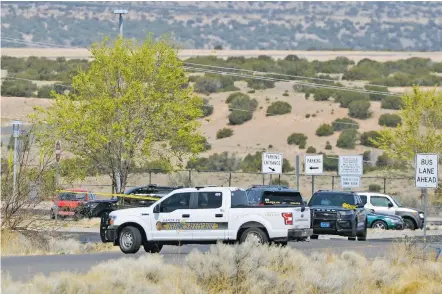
(150, 177)
(385, 185)
(190, 177)
(333, 182)
(279, 179)
(230, 179)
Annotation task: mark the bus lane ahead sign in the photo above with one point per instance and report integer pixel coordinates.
(426, 173)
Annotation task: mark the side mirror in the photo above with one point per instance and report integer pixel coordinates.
(156, 209)
(390, 205)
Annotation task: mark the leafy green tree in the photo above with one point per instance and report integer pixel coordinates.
(359, 109)
(129, 106)
(389, 120)
(344, 123)
(347, 139)
(279, 108)
(324, 130)
(392, 102)
(420, 130)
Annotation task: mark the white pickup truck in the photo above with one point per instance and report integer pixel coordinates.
(204, 215)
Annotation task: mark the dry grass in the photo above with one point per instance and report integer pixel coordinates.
(247, 268)
(52, 225)
(39, 243)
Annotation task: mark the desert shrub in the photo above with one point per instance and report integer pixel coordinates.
(383, 160)
(347, 139)
(307, 115)
(214, 83)
(328, 146)
(18, 88)
(331, 163)
(216, 162)
(251, 91)
(236, 95)
(373, 96)
(224, 133)
(374, 188)
(279, 108)
(392, 102)
(311, 150)
(45, 92)
(366, 155)
(286, 93)
(253, 163)
(366, 138)
(281, 182)
(324, 130)
(302, 145)
(296, 139)
(242, 108)
(218, 47)
(344, 123)
(322, 94)
(345, 97)
(260, 84)
(389, 120)
(206, 108)
(359, 109)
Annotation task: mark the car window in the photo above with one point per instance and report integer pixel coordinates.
(240, 198)
(176, 201)
(71, 196)
(363, 198)
(208, 200)
(379, 201)
(331, 199)
(91, 196)
(281, 197)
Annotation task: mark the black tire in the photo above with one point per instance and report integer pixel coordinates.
(130, 240)
(352, 238)
(282, 244)
(257, 232)
(103, 226)
(152, 247)
(314, 237)
(363, 235)
(409, 224)
(379, 225)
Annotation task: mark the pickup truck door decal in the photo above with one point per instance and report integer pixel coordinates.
(190, 226)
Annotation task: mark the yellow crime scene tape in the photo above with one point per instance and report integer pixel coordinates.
(112, 195)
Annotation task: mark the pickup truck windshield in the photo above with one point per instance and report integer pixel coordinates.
(281, 197)
(332, 199)
(239, 198)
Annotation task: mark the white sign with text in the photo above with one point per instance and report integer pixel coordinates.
(350, 182)
(426, 173)
(272, 163)
(351, 165)
(314, 164)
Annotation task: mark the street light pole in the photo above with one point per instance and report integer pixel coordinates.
(15, 133)
(120, 12)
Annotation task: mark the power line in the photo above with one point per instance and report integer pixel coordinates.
(21, 79)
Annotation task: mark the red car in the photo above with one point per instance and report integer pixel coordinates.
(66, 202)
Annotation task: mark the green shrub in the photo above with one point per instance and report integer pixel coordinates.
(280, 182)
(242, 108)
(345, 97)
(238, 117)
(328, 146)
(214, 83)
(322, 94)
(307, 115)
(331, 163)
(366, 155)
(279, 108)
(392, 102)
(286, 93)
(260, 84)
(18, 88)
(216, 162)
(359, 109)
(347, 139)
(324, 130)
(390, 120)
(374, 188)
(376, 97)
(302, 144)
(311, 150)
(367, 136)
(383, 160)
(344, 123)
(296, 139)
(45, 92)
(253, 163)
(224, 133)
(206, 108)
(237, 95)
(251, 91)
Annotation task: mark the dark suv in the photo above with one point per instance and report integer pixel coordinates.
(338, 213)
(263, 195)
(149, 191)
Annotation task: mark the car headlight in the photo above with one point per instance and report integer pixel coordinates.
(421, 215)
(345, 212)
(112, 219)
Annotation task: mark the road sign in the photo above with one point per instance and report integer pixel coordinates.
(426, 170)
(57, 150)
(314, 164)
(351, 165)
(350, 181)
(271, 163)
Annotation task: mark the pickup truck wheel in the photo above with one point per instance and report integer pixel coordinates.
(409, 224)
(363, 236)
(130, 240)
(152, 247)
(252, 233)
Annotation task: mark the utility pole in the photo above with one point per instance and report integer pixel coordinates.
(15, 133)
(120, 12)
(57, 159)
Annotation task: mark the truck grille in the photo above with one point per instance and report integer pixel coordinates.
(324, 215)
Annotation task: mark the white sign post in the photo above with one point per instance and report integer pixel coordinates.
(271, 163)
(314, 165)
(351, 167)
(426, 176)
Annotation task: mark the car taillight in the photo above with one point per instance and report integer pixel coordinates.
(288, 218)
(261, 204)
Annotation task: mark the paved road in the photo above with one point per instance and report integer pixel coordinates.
(25, 267)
